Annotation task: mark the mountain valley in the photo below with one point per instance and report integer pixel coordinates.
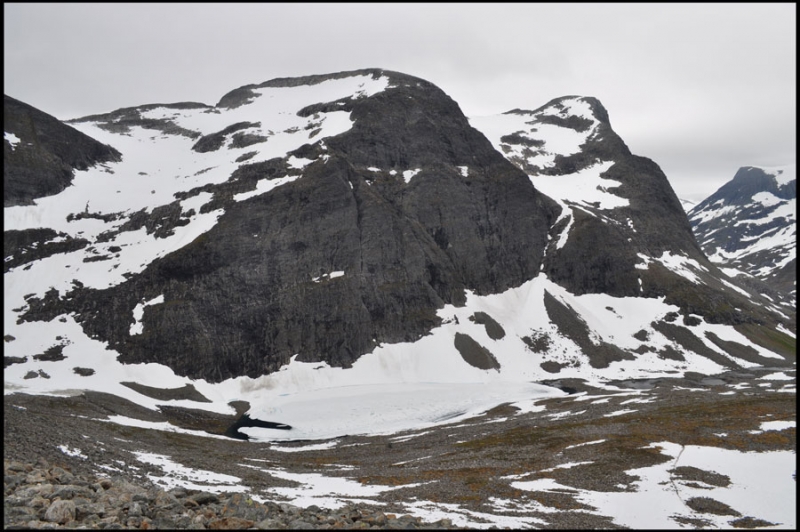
(503, 321)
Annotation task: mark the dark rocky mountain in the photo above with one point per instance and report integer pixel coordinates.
(750, 225)
(623, 229)
(243, 306)
(602, 250)
(327, 228)
(42, 158)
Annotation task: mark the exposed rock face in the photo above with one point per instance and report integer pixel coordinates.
(640, 212)
(621, 221)
(252, 292)
(750, 224)
(42, 159)
(325, 228)
(21, 247)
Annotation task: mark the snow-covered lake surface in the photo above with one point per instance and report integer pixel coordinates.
(385, 408)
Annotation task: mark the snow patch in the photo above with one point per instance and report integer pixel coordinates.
(408, 174)
(327, 276)
(72, 452)
(177, 475)
(263, 186)
(137, 327)
(659, 499)
(12, 139)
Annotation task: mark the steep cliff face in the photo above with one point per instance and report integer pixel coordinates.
(616, 205)
(40, 153)
(382, 225)
(622, 230)
(749, 225)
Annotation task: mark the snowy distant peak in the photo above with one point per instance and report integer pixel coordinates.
(749, 181)
(752, 193)
(750, 224)
(783, 174)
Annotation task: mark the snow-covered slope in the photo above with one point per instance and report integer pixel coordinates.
(421, 383)
(749, 227)
(159, 163)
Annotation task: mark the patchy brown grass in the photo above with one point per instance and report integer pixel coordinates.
(685, 424)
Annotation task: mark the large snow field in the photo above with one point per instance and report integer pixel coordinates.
(761, 485)
(395, 387)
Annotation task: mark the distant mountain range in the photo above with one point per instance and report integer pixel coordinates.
(359, 220)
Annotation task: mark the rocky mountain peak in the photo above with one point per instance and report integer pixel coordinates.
(41, 153)
(401, 207)
(749, 226)
(751, 180)
(570, 152)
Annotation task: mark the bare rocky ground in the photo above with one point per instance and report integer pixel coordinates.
(462, 463)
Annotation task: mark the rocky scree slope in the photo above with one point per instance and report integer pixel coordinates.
(750, 225)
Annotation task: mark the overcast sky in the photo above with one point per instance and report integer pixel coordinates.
(700, 89)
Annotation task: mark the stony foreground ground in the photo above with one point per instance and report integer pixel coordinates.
(66, 466)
